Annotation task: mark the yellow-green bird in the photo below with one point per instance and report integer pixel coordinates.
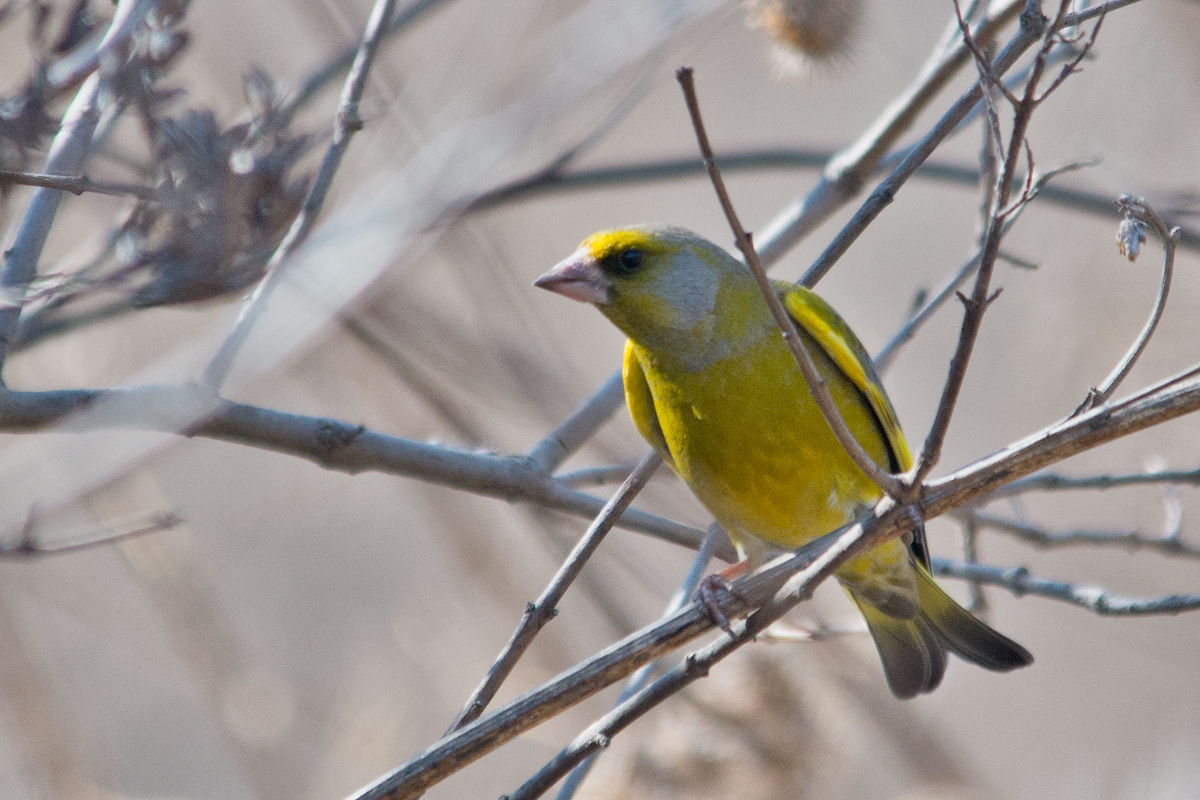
(712, 386)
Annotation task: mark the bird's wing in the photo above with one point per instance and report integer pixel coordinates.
(818, 319)
(641, 404)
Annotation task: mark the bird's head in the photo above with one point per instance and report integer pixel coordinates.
(660, 285)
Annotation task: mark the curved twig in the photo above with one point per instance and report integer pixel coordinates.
(1138, 214)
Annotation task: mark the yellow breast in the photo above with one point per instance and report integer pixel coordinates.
(747, 437)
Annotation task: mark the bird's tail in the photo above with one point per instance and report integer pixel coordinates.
(914, 650)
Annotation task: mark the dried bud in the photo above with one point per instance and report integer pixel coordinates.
(806, 32)
(1132, 232)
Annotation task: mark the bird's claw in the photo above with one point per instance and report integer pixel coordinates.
(712, 592)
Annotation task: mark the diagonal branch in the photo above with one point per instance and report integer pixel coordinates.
(846, 172)
(1173, 397)
(816, 384)
(68, 152)
(546, 608)
(638, 680)
(348, 123)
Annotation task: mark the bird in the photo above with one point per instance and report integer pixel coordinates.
(712, 386)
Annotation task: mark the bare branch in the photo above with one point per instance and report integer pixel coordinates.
(546, 608)
(575, 430)
(638, 680)
(1032, 24)
(774, 159)
(29, 545)
(1052, 482)
(77, 185)
(816, 385)
(330, 443)
(1168, 545)
(847, 171)
(885, 192)
(1055, 482)
(979, 604)
(68, 152)
(348, 123)
(1093, 598)
(595, 476)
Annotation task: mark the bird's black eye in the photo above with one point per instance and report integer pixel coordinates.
(628, 261)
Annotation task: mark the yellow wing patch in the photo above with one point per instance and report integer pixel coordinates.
(822, 323)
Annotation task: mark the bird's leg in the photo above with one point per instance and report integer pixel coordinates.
(711, 589)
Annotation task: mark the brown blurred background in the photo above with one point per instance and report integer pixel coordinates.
(303, 631)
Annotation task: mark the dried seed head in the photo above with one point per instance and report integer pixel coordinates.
(1131, 234)
(806, 32)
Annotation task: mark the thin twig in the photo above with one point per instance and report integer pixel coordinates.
(546, 608)
(1052, 482)
(970, 526)
(846, 173)
(558, 445)
(595, 476)
(28, 545)
(887, 354)
(1136, 208)
(1033, 24)
(347, 124)
(77, 185)
(885, 192)
(344, 60)
(1101, 601)
(820, 392)
(1169, 545)
(772, 159)
(982, 62)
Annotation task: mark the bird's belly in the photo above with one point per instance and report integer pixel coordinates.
(748, 438)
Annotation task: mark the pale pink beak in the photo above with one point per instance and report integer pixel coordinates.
(578, 277)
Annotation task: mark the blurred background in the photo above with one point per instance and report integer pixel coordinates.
(300, 631)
